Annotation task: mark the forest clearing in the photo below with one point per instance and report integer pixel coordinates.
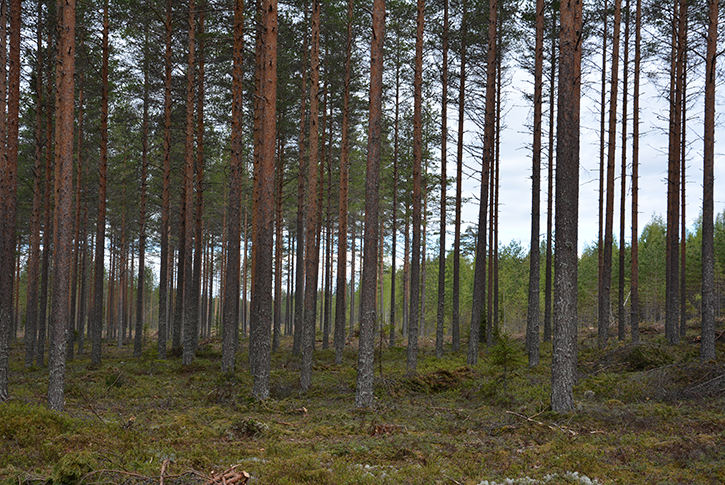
(646, 413)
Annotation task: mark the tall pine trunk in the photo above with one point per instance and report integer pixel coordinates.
(606, 278)
(440, 314)
(340, 300)
(479, 278)
(261, 308)
(532, 319)
(707, 342)
(97, 322)
(164, 277)
(634, 259)
(364, 388)
(63, 241)
(412, 357)
(311, 222)
(564, 352)
(455, 325)
(230, 311)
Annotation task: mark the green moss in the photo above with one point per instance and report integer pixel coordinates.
(73, 467)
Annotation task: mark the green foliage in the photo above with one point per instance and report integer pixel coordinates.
(73, 467)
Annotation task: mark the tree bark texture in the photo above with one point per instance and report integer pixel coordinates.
(311, 222)
(340, 300)
(262, 308)
(63, 240)
(532, 318)
(707, 343)
(564, 353)
(412, 356)
(479, 277)
(364, 389)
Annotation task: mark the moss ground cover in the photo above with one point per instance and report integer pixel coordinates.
(646, 414)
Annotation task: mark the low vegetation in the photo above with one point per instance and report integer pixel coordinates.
(648, 413)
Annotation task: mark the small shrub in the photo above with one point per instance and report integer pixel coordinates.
(646, 357)
(249, 428)
(73, 467)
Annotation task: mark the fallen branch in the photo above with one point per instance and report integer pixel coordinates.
(164, 465)
(229, 477)
(91, 407)
(550, 426)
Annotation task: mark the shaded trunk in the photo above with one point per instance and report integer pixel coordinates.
(532, 318)
(364, 388)
(8, 192)
(479, 282)
(301, 198)
(621, 319)
(455, 325)
(261, 308)
(31, 314)
(189, 288)
(311, 239)
(440, 315)
(164, 276)
(278, 239)
(340, 302)
(707, 342)
(97, 321)
(550, 195)
(564, 352)
(63, 241)
(634, 258)
(606, 277)
(138, 332)
(412, 356)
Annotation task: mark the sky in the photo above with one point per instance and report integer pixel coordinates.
(515, 161)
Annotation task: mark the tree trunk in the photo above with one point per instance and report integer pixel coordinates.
(340, 294)
(63, 242)
(479, 281)
(199, 192)
(621, 319)
(440, 315)
(261, 309)
(412, 356)
(550, 192)
(672, 294)
(311, 240)
(97, 322)
(188, 319)
(455, 325)
(707, 342)
(564, 352)
(634, 259)
(278, 239)
(31, 314)
(364, 389)
(138, 336)
(606, 279)
(301, 210)
(8, 194)
(166, 192)
(602, 176)
(396, 154)
(683, 180)
(532, 319)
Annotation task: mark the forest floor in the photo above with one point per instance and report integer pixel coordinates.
(646, 414)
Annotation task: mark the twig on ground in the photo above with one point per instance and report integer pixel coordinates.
(164, 465)
(550, 426)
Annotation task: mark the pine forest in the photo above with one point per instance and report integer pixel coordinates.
(335, 242)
